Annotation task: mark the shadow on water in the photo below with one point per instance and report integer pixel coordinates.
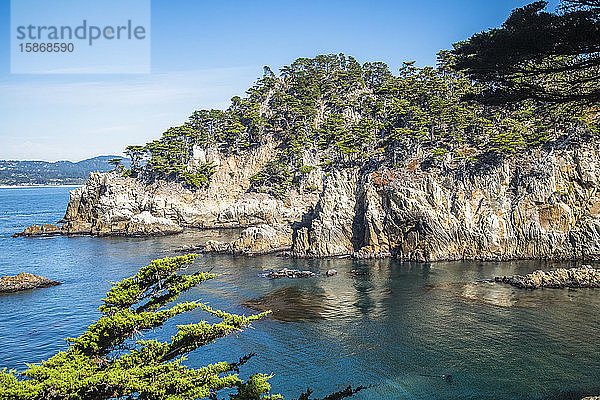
(291, 304)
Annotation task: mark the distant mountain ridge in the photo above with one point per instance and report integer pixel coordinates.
(53, 173)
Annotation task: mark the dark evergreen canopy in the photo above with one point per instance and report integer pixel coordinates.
(537, 54)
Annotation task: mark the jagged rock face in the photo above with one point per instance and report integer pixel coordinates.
(541, 205)
(113, 204)
(548, 209)
(330, 231)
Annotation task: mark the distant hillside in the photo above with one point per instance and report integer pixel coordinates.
(53, 173)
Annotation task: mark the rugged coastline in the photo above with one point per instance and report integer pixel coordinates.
(337, 159)
(544, 205)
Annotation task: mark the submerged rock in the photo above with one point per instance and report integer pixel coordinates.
(289, 273)
(24, 281)
(37, 230)
(584, 277)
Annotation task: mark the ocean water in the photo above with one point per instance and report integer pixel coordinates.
(396, 326)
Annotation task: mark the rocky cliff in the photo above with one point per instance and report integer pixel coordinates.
(544, 204)
(111, 204)
(335, 158)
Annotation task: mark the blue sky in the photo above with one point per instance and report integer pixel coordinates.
(205, 52)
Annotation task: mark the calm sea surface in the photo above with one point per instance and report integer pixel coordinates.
(398, 326)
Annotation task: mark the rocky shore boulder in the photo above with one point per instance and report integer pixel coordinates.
(584, 277)
(145, 223)
(37, 230)
(255, 240)
(24, 281)
(263, 239)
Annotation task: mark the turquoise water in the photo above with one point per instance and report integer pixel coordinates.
(390, 325)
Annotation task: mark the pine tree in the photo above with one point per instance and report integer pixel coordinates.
(105, 362)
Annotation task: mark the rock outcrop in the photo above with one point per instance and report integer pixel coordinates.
(263, 239)
(544, 204)
(254, 240)
(37, 230)
(584, 277)
(112, 204)
(540, 205)
(24, 281)
(289, 273)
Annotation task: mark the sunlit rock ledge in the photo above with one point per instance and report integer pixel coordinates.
(584, 277)
(24, 281)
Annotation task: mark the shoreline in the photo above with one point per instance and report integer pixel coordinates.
(36, 186)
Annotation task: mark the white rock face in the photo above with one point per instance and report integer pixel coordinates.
(113, 204)
(544, 205)
(146, 223)
(547, 206)
(202, 155)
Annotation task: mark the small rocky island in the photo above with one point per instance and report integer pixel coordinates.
(24, 281)
(583, 277)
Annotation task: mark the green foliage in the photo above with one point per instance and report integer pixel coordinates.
(117, 164)
(275, 179)
(200, 176)
(135, 154)
(306, 169)
(537, 54)
(254, 388)
(105, 363)
(330, 111)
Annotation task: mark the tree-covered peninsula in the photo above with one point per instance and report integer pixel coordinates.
(344, 114)
(331, 156)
